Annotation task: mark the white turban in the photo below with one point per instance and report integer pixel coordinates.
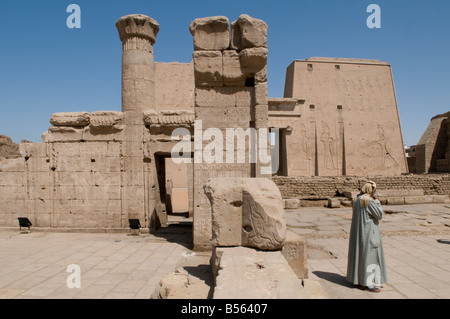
(366, 192)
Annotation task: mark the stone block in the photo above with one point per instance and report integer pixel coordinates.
(395, 200)
(103, 122)
(12, 179)
(238, 117)
(411, 200)
(33, 149)
(12, 165)
(291, 203)
(65, 134)
(333, 203)
(295, 252)
(233, 74)
(253, 59)
(244, 97)
(208, 68)
(247, 273)
(248, 32)
(253, 206)
(260, 95)
(440, 199)
(210, 33)
(70, 119)
(223, 97)
(351, 195)
(9, 192)
(399, 192)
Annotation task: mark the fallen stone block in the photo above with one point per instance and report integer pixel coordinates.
(291, 203)
(351, 195)
(440, 199)
(295, 252)
(246, 212)
(411, 200)
(333, 203)
(395, 200)
(191, 280)
(247, 273)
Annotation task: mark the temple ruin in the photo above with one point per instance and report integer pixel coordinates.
(432, 152)
(338, 118)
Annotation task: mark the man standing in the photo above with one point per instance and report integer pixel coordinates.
(366, 266)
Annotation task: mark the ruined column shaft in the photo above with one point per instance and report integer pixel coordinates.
(138, 85)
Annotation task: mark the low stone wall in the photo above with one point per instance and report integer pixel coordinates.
(315, 188)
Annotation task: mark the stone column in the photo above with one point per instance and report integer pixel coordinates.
(138, 34)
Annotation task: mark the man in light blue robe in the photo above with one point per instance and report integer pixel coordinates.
(366, 266)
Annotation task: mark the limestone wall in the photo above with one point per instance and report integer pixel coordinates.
(174, 86)
(345, 120)
(325, 187)
(66, 185)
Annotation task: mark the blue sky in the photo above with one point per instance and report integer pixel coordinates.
(45, 67)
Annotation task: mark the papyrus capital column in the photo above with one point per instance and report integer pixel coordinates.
(138, 34)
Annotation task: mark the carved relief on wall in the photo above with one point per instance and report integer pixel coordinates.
(383, 147)
(329, 143)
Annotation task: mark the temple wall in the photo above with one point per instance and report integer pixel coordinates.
(346, 120)
(65, 185)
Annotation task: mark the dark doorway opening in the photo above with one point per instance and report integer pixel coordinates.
(175, 183)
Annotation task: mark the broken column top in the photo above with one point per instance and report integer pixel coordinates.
(137, 25)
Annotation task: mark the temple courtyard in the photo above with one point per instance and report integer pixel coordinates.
(121, 265)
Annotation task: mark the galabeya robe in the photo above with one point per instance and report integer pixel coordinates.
(366, 265)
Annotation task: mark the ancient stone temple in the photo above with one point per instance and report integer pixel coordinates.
(432, 152)
(184, 124)
(338, 117)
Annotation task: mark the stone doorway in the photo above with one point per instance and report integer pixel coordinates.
(175, 184)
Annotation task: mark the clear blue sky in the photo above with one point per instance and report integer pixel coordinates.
(45, 67)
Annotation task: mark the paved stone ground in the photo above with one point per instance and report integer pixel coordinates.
(119, 265)
(416, 241)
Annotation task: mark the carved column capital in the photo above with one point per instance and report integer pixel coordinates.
(137, 26)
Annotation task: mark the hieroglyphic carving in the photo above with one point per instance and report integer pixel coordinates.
(329, 144)
(260, 227)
